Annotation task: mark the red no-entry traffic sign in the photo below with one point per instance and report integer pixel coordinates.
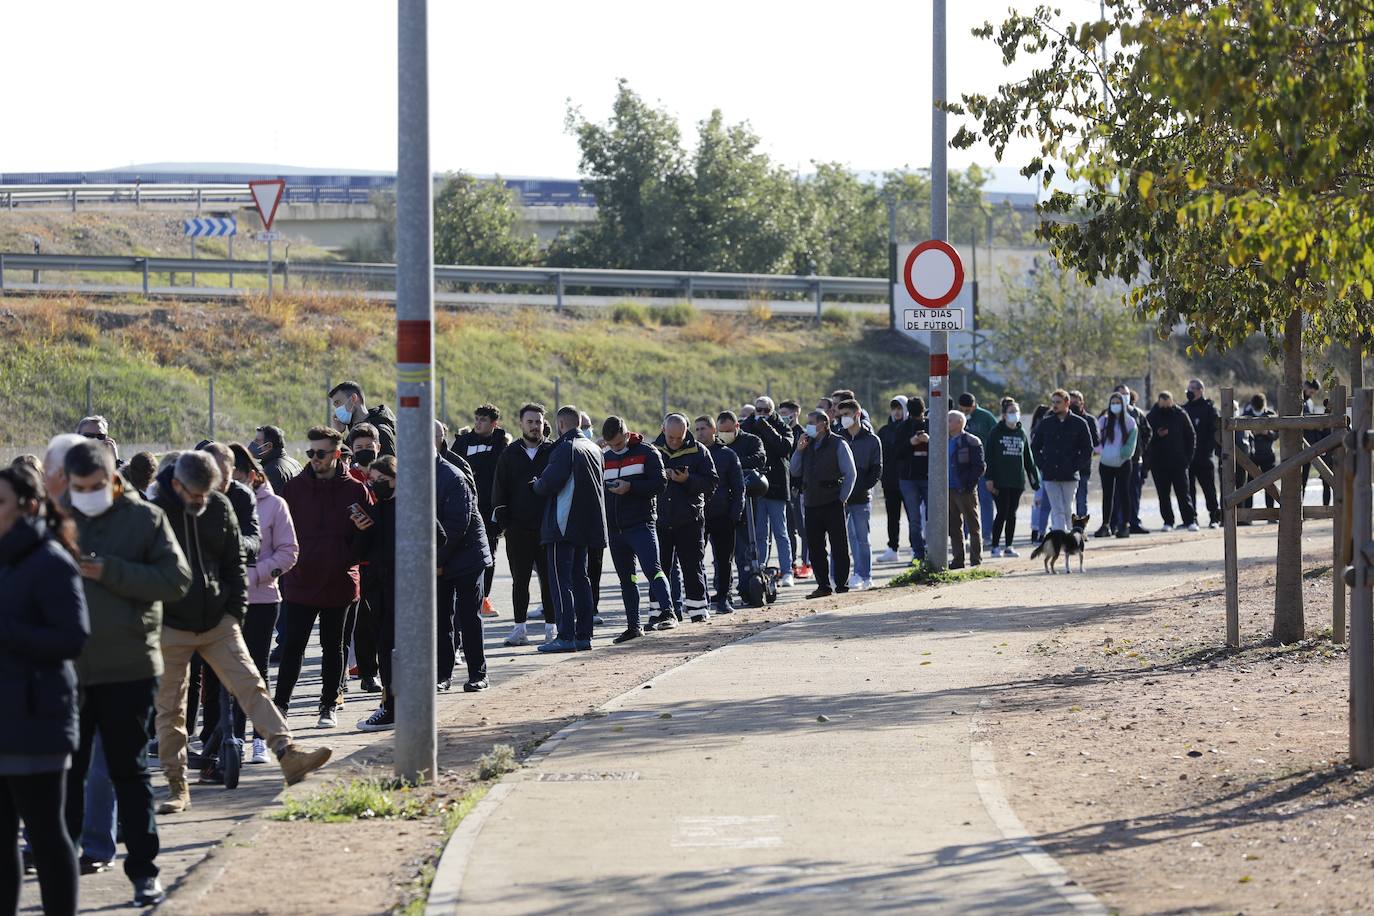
(933, 274)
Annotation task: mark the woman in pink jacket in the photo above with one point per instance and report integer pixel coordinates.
(277, 554)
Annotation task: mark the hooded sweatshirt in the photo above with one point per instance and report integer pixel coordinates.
(867, 451)
(1009, 458)
(641, 467)
(1118, 447)
(214, 550)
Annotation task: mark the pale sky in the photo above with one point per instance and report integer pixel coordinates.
(95, 85)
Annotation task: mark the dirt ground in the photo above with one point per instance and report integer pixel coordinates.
(372, 866)
(1169, 775)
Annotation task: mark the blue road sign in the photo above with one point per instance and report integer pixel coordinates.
(209, 227)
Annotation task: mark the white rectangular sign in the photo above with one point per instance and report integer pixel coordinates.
(933, 319)
(269, 236)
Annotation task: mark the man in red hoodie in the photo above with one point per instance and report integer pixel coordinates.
(327, 508)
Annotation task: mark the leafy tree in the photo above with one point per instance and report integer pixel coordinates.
(478, 222)
(1057, 330)
(841, 225)
(1221, 159)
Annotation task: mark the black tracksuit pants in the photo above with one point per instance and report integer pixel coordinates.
(526, 556)
(460, 625)
(721, 532)
(892, 501)
(1175, 479)
(685, 544)
(37, 801)
(1204, 474)
(1006, 502)
(828, 521)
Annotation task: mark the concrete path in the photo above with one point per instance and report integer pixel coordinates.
(718, 788)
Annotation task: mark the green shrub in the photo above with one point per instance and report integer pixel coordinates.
(630, 313)
(838, 317)
(370, 797)
(677, 315)
(921, 574)
(500, 761)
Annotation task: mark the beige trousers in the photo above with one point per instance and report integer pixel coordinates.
(224, 651)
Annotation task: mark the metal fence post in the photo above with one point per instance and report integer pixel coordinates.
(328, 405)
(2, 273)
(443, 398)
(212, 407)
(73, 200)
(558, 292)
(90, 400)
(819, 294)
(665, 398)
(145, 275)
(557, 393)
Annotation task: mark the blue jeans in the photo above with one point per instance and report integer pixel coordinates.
(570, 590)
(638, 544)
(1081, 497)
(1040, 510)
(857, 519)
(98, 829)
(916, 497)
(770, 518)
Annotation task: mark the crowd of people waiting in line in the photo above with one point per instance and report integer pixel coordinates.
(133, 591)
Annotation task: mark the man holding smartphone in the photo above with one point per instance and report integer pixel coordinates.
(333, 531)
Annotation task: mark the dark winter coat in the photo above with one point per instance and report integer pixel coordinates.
(385, 421)
(641, 466)
(326, 572)
(513, 503)
(463, 550)
(1063, 446)
(1263, 440)
(727, 499)
(1172, 438)
(1203, 414)
(967, 462)
(279, 469)
(214, 551)
(43, 627)
(748, 448)
(896, 454)
(482, 454)
(1086, 468)
(245, 503)
(778, 443)
(143, 567)
(917, 464)
(867, 450)
(685, 503)
(574, 494)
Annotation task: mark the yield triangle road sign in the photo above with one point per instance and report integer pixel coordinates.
(266, 195)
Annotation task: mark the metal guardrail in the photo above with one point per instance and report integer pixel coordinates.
(684, 283)
(18, 195)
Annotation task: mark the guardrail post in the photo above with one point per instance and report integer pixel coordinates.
(687, 290)
(557, 393)
(73, 200)
(144, 262)
(819, 299)
(443, 398)
(2, 273)
(90, 399)
(286, 273)
(558, 293)
(665, 397)
(212, 407)
(198, 202)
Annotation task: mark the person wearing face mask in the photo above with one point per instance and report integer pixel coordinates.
(277, 553)
(915, 481)
(1206, 433)
(825, 464)
(43, 627)
(379, 584)
(788, 411)
(753, 459)
(771, 516)
(269, 447)
(350, 409)
(867, 452)
(724, 510)
(327, 507)
(130, 565)
(1118, 435)
(1130, 506)
(363, 441)
(1010, 465)
(895, 455)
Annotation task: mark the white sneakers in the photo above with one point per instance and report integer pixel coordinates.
(855, 581)
(868, 583)
(995, 552)
(259, 754)
(1008, 552)
(786, 581)
(327, 718)
(1192, 526)
(550, 632)
(517, 636)
(888, 556)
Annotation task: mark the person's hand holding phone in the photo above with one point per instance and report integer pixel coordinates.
(92, 567)
(361, 520)
(619, 487)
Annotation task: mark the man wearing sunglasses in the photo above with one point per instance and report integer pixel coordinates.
(332, 528)
(98, 428)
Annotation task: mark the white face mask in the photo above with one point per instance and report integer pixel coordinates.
(93, 504)
(1013, 418)
(726, 438)
(847, 422)
(1116, 408)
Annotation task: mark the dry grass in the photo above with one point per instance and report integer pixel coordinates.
(711, 328)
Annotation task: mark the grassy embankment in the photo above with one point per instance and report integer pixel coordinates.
(270, 360)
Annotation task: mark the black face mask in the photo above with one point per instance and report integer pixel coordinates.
(1192, 395)
(383, 488)
(364, 456)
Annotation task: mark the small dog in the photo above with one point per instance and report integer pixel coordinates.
(1066, 542)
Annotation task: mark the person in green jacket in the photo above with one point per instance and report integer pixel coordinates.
(1010, 465)
(130, 564)
(980, 423)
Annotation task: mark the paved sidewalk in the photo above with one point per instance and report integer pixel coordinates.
(718, 789)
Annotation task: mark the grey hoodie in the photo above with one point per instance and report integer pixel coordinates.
(868, 459)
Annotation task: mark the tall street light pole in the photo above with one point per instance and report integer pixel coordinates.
(937, 509)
